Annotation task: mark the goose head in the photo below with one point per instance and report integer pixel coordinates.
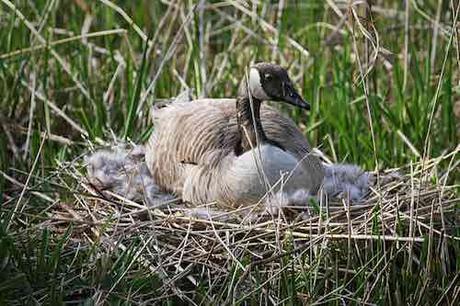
(271, 82)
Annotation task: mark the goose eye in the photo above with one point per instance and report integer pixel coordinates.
(268, 76)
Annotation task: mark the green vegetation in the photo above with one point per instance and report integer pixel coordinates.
(75, 74)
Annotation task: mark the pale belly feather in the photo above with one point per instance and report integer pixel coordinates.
(265, 169)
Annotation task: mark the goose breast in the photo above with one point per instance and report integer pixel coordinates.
(265, 169)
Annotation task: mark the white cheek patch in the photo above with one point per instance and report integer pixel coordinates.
(255, 86)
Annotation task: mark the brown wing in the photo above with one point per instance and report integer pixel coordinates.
(188, 135)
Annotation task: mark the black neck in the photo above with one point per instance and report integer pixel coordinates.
(250, 128)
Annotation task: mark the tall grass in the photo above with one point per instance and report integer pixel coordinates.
(76, 73)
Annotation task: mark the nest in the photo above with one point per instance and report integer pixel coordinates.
(187, 248)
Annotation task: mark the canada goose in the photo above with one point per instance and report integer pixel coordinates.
(233, 150)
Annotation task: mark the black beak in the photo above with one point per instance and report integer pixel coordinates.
(291, 96)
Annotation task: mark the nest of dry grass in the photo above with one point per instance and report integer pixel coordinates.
(411, 206)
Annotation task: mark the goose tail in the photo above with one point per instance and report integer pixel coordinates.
(183, 97)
